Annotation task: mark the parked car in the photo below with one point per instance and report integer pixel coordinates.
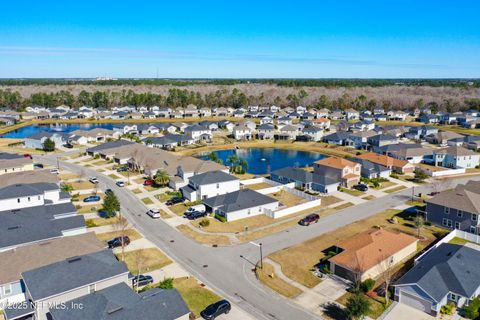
(104, 214)
(91, 199)
(120, 183)
(55, 171)
(108, 190)
(68, 146)
(216, 309)
(142, 280)
(117, 242)
(308, 220)
(362, 187)
(198, 207)
(173, 201)
(38, 165)
(154, 213)
(192, 215)
(122, 169)
(148, 182)
(27, 155)
(93, 180)
(433, 193)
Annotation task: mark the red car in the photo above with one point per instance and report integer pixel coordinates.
(149, 182)
(26, 155)
(308, 220)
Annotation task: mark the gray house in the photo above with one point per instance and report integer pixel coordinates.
(35, 141)
(306, 180)
(372, 170)
(448, 273)
(457, 208)
(120, 302)
(67, 280)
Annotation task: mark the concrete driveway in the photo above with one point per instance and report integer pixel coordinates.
(401, 311)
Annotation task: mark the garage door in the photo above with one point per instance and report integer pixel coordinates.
(415, 302)
(343, 273)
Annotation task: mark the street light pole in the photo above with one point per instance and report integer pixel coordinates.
(259, 245)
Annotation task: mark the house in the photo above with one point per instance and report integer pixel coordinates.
(274, 109)
(242, 132)
(120, 302)
(307, 116)
(376, 142)
(380, 117)
(144, 128)
(345, 171)
(304, 179)
(14, 262)
(429, 118)
(352, 114)
(36, 140)
(181, 126)
(312, 133)
(30, 195)
(126, 129)
(198, 132)
(323, 113)
(363, 125)
(323, 123)
(240, 204)
(448, 118)
(266, 120)
(395, 165)
(191, 111)
(288, 132)
(169, 141)
(397, 115)
(340, 138)
(210, 125)
(72, 278)
(472, 142)
(227, 125)
(420, 132)
(413, 153)
(456, 157)
(369, 254)
(166, 128)
(265, 132)
(378, 110)
(371, 170)
(448, 273)
(359, 139)
(441, 138)
(239, 113)
(283, 121)
(96, 135)
(205, 112)
(107, 150)
(27, 177)
(457, 208)
(10, 162)
(164, 112)
(210, 184)
(300, 110)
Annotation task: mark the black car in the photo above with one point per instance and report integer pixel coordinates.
(216, 309)
(142, 280)
(173, 201)
(361, 187)
(108, 191)
(38, 165)
(192, 215)
(308, 220)
(117, 242)
(68, 145)
(122, 169)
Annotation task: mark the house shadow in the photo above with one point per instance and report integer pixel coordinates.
(334, 311)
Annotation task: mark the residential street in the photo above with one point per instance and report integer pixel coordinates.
(222, 268)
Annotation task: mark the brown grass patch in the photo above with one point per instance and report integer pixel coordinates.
(204, 238)
(268, 277)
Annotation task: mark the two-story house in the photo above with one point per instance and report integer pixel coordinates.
(209, 184)
(456, 157)
(10, 162)
(346, 171)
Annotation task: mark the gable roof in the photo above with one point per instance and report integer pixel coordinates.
(14, 262)
(383, 160)
(110, 145)
(365, 250)
(335, 162)
(120, 302)
(448, 268)
(30, 176)
(456, 151)
(72, 273)
(238, 200)
(25, 190)
(212, 177)
(463, 197)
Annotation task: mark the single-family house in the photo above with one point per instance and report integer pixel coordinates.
(198, 132)
(456, 157)
(36, 140)
(345, 171)
(413, 153)
(371, 170)
(242, 132)
(312, 133)
(352, 114)
(420, 132)
(288, 132)
(265, 132)
(304, 179)
(395, 165)
(11, 162)
(210, 184)
(441, 137)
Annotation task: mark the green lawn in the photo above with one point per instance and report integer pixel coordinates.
(114, 176)
(377, 305)
(196, 296)
(147, 201)
(384, 185)
(395, 189)
(353, 192)
(145, 260)
(137, 191)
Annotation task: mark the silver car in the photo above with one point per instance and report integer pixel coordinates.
(154, 213)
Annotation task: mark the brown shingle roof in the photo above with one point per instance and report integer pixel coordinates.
(335, 162)
(365, 250)
(383, 160)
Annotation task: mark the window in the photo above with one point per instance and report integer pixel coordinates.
(459, 213)
(7, 290)
(18, 200)
(447, 222)
(91, 288)
(474, 217)
(457, 225)
(447, 210)
(28, 199)
(218, 185)
(453, 297)
(473, 229)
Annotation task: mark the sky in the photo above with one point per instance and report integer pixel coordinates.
(240, 39)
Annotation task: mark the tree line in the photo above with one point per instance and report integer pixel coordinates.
(177, 97)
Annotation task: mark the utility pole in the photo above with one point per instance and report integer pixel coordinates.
(259, 245)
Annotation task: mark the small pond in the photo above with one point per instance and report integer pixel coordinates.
(266, 160)
(66, 128)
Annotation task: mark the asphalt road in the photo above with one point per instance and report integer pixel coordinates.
(222, 268)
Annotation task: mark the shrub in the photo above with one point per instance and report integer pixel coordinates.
(97, 156)
(472, 310)
(90, 223)
(167, 283)
(220, 218)
(204, 223)
(394, 175)
(367, 285)
(448, 309)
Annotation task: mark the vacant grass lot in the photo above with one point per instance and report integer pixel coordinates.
(196, 296)
(145, 260)
(298, 261)
(271, 280)
(258, 186)
(204, 238)
(287, 198)
(82, 185)
(98, 222)
(395, 189)
(68, 176)
(131, 233)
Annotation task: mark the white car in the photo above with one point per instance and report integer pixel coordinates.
(55, 171)
(120, 183)
(93, 180)
(198, 207)
(154, 213)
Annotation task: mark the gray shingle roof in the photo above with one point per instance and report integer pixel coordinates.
(296, 174)
(238, 200)
(36, 223)
(448, 268)
(25, 190)
(72, 273)
(211, 177)
(109, 145)
(119, 302)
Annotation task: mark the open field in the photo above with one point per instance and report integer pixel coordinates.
(297, 261)
(145, 260)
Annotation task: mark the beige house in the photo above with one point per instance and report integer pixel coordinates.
(369, 254)
(10, 162)
(345, 171)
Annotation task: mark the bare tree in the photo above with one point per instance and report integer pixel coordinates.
(419, 222)
(120, 227)
(386, 272)
(140, 261)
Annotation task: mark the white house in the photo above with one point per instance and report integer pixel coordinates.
(242, 132)
(456, 157)
(210, 184)
(198, 132)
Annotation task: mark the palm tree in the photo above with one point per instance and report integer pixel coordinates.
(161, 178)
(65, 187)
(213, 156)
(244, 165)
(233, 158)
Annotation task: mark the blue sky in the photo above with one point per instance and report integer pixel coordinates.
(240, 39)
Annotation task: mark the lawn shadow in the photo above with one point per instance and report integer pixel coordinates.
(334, 311)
